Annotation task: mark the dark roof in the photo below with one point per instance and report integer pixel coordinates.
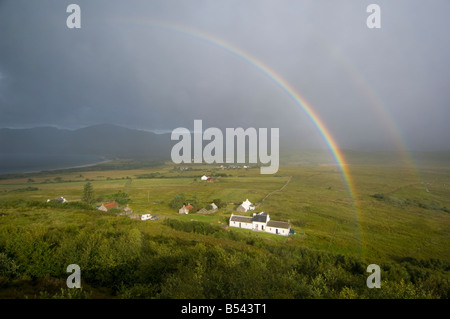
(261, 218)
(242, 219)
(276, 224)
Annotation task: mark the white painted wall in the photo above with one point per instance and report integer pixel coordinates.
(259, 226)
(281, 231)
(242, 225)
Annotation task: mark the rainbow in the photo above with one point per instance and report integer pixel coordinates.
(374, 100)
(282, 83)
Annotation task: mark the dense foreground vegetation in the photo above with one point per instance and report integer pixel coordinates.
(398, 219)
(124, 258)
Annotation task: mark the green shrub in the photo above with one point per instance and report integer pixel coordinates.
(178, 201)
(8, 267)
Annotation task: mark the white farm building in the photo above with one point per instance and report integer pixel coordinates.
(260, 222)
(245, 206)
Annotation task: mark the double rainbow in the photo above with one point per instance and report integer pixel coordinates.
(277, 79)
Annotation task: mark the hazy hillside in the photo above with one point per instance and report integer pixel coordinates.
(44, 148)
(105, 140)
(101, 140)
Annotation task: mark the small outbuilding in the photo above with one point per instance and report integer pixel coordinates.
(108, 206)
(185, 209)
(245, 206)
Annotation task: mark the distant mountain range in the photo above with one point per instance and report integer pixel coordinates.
(44, 148)
(104, 140)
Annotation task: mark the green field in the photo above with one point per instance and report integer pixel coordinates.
(399, 219)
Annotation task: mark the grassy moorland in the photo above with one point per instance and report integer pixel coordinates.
(398, 219)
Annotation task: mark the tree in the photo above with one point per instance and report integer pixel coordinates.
(219, 203)
(88, 194)
(178, 201)
(120, 198)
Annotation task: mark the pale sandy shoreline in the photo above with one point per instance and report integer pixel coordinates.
(55, 169)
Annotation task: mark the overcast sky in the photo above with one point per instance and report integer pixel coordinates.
(369, 86)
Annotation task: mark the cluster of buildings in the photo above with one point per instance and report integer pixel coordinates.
(126, 211)
(233, 167)
(187, 208)
(259, 221)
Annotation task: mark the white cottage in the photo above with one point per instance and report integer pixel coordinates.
(278, 228)
(245, 206)
(260, 222)
(241, 221)
(185, 209)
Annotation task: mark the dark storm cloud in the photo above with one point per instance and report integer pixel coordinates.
(116, 70)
